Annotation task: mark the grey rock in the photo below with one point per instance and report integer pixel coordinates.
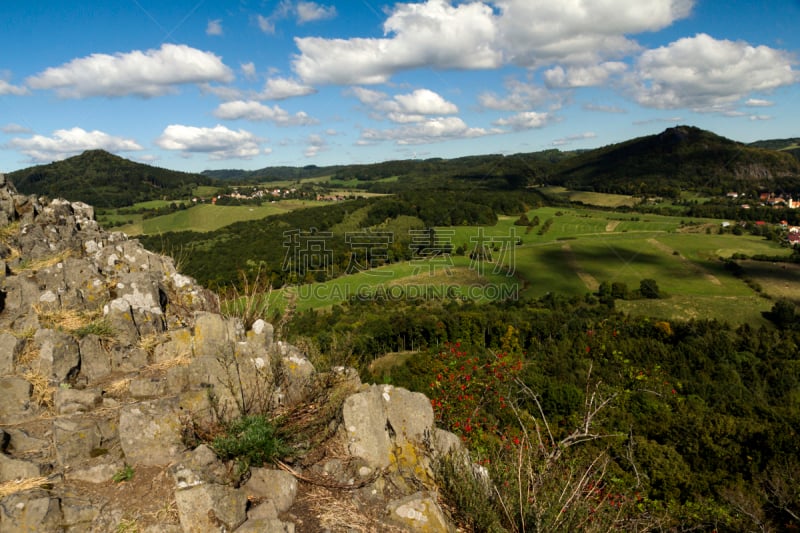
(20, 442)
(75, 439)
(99, 472)
(79, 513)
(10, 348)
(214, 335)
(59, 356)
(30, 511)
(127, 359)
(364, 421)
(95, 359)
(11, 469)
(147, 387)
(71, 401)
(150, 432)
(419, 512)
(15, 401)
(266, 525)
(277, 486)
(207, 507)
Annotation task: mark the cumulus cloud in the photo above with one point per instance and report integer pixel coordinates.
(66, 143)
(311, 11)
(249, 70)
(704, 73)
(265, 24)
(604, 108)
(303, 12)
(534, 33)
(7, 88)
(146, 74)
(527, 120)
(431, 130)
(258, 112)
(15, 128)
(591, 76)
(282, 88)
(520, 96)
(218, 142)
(404, 108)
(475, 35)
(214, 27)
(315, 144)
(571, 138)
(756, 102)
(431, 34)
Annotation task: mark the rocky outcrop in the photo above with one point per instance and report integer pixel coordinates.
(113, 368)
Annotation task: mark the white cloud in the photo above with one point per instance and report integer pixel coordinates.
(311, 11)
(15, 128)
(218, 142)
(258, 112)
(214, 27)
(591, 76)
(704, 73)
(521, 96)
(65, 143)
(526, 120)
(146, 74)
(604, 108)
(431, 34)
(756, 102)
(431, 130)
(404, 108)
(265, 24)
(282, 88)
(534, 33)
(7, 88)
(249, 70)
(315, 144)
(571, 138)
(760, 117)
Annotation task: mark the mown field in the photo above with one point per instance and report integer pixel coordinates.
(202, 217)
(582, 248)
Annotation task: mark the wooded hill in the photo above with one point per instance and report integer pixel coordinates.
(682, 157)
(105, 180)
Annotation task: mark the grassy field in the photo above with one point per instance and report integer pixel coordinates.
(207, 217)
(406, 281)
(589, 198)
(778, 280)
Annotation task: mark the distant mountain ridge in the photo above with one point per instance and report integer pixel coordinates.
(105, 180)
(680, 157)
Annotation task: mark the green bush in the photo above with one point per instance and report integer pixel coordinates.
(250, 440)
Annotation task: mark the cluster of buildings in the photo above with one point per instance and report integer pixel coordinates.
(771, 199)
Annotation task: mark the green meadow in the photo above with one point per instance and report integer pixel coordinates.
(204, 217)
(582, 248)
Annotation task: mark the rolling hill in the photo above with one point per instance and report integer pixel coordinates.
(682, 157)
(105, 180)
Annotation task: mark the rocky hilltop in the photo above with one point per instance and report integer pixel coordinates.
(116, 372)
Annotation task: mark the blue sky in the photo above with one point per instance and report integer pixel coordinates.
(206, 84)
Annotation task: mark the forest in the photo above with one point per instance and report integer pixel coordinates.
(700, 425)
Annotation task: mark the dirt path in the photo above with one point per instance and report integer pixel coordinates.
(697, 269)
(612, 225)
(590, 281)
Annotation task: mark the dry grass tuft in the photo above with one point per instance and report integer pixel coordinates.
(46, 262)
(21, 485)
(338, 512)
(42, 390)
(162, 366)
(149, 342)
(118, 388)
(75, 322)
(29, 353)
(8, 231)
